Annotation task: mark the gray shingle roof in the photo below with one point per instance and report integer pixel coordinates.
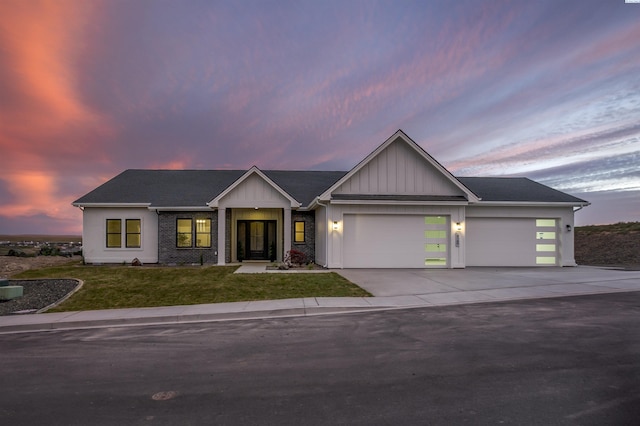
(195, 188)
(515, 189)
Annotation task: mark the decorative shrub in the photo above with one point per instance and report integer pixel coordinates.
(295, 257)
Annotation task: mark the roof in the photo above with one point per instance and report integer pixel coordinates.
(516, 189)
(195, 188)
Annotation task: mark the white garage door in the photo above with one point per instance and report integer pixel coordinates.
(395, 241)
(511, 242)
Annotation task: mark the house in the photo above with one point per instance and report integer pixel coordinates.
(398, 208)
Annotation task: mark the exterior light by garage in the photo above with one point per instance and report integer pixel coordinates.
(335, 225)
(568, 228)
(458, 226)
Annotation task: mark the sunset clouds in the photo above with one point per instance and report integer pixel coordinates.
(546, 89)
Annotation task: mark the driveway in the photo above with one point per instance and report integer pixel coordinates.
(546, 282)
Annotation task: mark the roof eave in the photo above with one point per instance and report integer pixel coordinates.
(404, 203)
(203, 208)
(77, 204)
(532, 203)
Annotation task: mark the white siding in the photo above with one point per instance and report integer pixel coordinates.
(254, 192)
(94, 222)
(399, 170)
(321, 236)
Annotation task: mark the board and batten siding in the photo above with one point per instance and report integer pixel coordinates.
(94, 233)
(254, 192)
(398, 170)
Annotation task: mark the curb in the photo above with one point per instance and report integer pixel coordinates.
(57, 302)
(182, 319)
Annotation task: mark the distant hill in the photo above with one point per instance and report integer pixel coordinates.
(42, 238)
(608, 245)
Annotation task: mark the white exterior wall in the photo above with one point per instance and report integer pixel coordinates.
(398, 170)
(254, 192)
(336, 212)
(564, 216)
(94, 235)
(321, 235)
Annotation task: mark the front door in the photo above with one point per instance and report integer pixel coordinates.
(256, 240)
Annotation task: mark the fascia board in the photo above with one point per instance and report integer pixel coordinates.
(528, 204)
(214, 203)
(175, 208)
(403, 203)
(111, 204)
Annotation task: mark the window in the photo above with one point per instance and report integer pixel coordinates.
(546, 244)
(114, 233)
(435, 234)
(184, 233)
(133, 233)
(203, 232)
(298, 234)
(435, 220)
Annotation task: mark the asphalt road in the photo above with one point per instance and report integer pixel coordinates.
(538, 362)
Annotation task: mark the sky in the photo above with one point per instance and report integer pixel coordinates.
(546, 89)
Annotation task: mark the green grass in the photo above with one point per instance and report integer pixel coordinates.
(109, 287)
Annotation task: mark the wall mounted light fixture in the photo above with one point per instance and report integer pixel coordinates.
(568, 228)
(458, 226)
(335, 225)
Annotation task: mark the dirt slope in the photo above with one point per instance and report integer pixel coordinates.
(609, 245)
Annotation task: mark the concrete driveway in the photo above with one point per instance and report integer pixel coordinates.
(500, 283)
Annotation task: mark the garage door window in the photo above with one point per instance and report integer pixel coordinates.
(546, 242)
(435, 241)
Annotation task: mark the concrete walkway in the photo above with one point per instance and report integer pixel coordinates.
(393, 289)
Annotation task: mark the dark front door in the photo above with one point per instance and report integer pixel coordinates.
(256, 239)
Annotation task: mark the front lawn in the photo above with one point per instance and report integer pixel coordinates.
(108, 287)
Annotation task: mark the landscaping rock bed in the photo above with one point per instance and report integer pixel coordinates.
(38, 294)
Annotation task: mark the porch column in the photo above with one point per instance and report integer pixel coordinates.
(287, 230)
(222, 237)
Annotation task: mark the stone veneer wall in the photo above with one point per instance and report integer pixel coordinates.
(309, 245)
(227, 243)
(169, 253)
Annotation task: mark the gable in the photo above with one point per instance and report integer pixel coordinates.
(400, 169)
(252, 190)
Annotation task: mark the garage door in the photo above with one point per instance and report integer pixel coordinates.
(395, 241)
(511, 242)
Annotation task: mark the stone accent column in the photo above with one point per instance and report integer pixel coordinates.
(222, 235)
(287, 230)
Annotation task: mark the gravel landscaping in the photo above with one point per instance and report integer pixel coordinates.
(38, 294)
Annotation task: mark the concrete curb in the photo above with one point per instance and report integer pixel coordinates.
(179, 319)
(71, 293)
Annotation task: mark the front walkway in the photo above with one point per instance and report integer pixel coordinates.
(261, 268)
(393, 289)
